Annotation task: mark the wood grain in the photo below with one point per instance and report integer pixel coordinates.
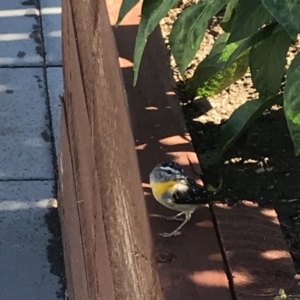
(256, 251)
(115, 251)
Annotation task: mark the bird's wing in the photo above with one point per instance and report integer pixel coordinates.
(195, 194)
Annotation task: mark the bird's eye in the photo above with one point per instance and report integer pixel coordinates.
(169, 172)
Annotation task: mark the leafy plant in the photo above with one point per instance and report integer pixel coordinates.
(257, 35)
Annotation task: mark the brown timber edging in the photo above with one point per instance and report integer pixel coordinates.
(107, 243)
(256, 251)
(105, 231)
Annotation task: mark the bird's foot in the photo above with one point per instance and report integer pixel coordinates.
(167, 235)
(174, 218)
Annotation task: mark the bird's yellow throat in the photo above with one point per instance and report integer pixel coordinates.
(159, 188)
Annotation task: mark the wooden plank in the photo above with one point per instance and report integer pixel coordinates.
(118, 252)
(191, 266)
(94, 274)
(256, 251)
(69, 219)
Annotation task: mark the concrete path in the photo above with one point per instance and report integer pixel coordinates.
(30, 82)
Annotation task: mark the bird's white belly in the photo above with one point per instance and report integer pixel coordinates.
(168, 202)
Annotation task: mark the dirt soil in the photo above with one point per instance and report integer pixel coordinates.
(261, 166)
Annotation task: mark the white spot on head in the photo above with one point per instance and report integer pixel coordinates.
(167, 168)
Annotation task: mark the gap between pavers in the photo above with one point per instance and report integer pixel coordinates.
(51, 22)
(55, 88)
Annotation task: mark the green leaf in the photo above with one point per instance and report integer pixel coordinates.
(189, 29)
(286, 13)
(242, 117)
(239, 120)
(256, 38)
(152, 12)
(291, 102)
(210, 78)
(218, 46)
(126, 6)
(213, 62)
(229, 15)
(267, 62)
(224, 78)
(250, 16)
(210, 65)
(230, 7)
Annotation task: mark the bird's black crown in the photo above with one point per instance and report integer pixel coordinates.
(172, 164)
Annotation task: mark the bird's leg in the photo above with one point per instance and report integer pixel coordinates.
(175, 218)
(176, 232)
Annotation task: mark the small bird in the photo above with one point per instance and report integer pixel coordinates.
(173, 189)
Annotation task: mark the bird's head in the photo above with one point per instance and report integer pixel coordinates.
(167, 171)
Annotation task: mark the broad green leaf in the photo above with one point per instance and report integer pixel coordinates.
(267, 61)
(210, 77)
(229, 15)
(249, 42)
(286, 13)
(152, 12)
(189, 29)
(239, 120)
(224, 78)
(210, 65)
(219, 45)
(231, 5)
(250, 16)
(242, 117)
(291, 103)
(126, 6)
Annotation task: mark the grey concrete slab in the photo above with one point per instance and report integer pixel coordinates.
(24, 238)
(25, 143)
(20, 34)
(51, 18)
(55, 88)
(18, 4)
